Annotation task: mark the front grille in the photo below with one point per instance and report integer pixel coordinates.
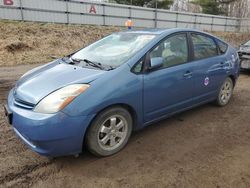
(23, 104)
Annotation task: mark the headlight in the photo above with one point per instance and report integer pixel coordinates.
(57, 100)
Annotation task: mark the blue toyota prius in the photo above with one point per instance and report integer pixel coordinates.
(96, 96)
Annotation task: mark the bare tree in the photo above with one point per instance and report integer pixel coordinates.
(239, 8)
(232, 8)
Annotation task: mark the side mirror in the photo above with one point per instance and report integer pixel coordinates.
(156, 62)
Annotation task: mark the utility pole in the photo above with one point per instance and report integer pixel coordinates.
(156, 13)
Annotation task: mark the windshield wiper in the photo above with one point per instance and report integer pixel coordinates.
(111, 67)
(66, 59)
(91, 63)
(94, 64)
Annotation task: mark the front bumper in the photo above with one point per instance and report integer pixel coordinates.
(48, 134)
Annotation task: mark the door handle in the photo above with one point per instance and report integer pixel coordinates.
(188, 74)
(222, 64)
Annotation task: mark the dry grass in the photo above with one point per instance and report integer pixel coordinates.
(27, 42)
(233, 38)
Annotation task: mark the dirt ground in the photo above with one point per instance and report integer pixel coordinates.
(204, 147)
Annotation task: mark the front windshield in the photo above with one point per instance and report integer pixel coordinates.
(114, 49)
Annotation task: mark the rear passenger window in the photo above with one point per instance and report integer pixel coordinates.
(204, 47)
(222, 46)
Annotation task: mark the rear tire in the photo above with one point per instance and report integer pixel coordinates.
(109, 132)
(226, 92)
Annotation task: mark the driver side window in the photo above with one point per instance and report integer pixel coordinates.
(173, 50)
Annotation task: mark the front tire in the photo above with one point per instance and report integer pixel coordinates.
(226, 92)
(109, 132)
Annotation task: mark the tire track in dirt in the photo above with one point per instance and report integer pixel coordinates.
(7, 135)
(5, 86)
(26, 172)
(11, 146)
(27, 169)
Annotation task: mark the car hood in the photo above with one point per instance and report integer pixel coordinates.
(41, 81)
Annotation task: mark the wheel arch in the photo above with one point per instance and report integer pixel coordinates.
(233, 79)
(128, 107)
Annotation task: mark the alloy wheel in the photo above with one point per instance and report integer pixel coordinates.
(226, 92)
(112, 132)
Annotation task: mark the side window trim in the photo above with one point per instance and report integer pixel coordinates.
(191, 47)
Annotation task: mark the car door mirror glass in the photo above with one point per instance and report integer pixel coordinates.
(156, 62)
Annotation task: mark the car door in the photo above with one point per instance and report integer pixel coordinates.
(210, 67)
(169, 88)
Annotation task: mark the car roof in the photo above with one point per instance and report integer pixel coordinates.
(156, 31)
(166, 31)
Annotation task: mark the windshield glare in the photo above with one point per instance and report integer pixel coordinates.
(114, 49)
